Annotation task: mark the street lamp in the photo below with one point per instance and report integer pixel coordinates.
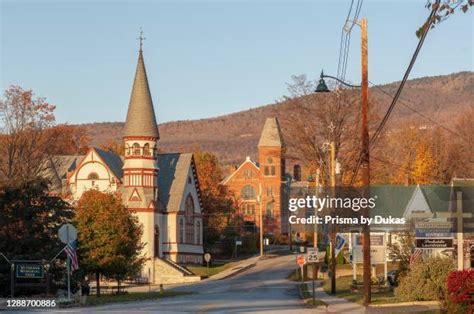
(322, 87)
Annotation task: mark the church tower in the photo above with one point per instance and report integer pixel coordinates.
(271, 158)
(140, 169)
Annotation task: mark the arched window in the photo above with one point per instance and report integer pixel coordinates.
(198, 232)
(269, 160)
(93, 176)
(269, 210)
(136, 149)
(146, 150)
(189, 214)
(248, 192)
(181, 230)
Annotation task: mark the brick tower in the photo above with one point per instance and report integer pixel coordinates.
(271, 158)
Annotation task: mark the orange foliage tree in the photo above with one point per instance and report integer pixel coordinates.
(217, 201)
(109, 236)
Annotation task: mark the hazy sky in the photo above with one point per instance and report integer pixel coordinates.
(208, 58)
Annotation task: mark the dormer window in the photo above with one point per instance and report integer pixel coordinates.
(136, 149)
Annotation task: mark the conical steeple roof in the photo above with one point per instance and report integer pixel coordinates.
(271, 134)
(141, 119)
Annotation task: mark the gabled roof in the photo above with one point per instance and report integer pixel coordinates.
(271, 134)
(247, 160)
(141, 120)
(112, 160)
(172, 178)
(57, 169)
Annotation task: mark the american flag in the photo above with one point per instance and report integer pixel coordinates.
(70, 250)
(415, 256)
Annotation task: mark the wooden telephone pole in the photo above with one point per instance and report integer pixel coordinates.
(332, 242)
(365, 164)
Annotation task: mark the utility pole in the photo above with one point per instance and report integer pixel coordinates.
(261, 219)
(365, 164)
(332, 179)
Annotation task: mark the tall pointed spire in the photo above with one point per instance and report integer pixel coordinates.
(271, 134)
(141, 120)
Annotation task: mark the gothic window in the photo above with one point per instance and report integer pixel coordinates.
(136, 149)
(248, 174)
(157, 241)
(269, 210)
(248, 192)
(198, 232)
(146, 150)
(189, 214)
(181, 230)
(269, 191)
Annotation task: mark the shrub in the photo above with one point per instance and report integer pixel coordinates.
(460, 284)
(426, 280)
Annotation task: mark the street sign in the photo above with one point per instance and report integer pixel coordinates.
(340, 242)
(67, 233)
(300, 260)
(434, 243)
(434, 233)
(207, 257)
(238, 242)
(31, 271)
(312, 255)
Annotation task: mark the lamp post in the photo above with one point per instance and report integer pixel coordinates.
(365, 160)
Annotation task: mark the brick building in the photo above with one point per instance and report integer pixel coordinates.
(263, 180)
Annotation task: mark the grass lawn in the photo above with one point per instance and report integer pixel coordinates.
(130, 297)
(215, 268)
(343, 290)
(307, 294)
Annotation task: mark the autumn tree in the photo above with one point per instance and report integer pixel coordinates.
(114, 146)
(217, 201)
(68, 140)
(23, 141)
(29, 221)
(109, 237)
(315, 119)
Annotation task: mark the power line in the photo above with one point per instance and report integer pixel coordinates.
(419, 113)
(377, 133)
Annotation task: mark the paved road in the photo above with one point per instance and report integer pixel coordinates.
(263, 288)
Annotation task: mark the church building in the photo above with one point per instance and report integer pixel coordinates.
(261, 184)
(161, 189)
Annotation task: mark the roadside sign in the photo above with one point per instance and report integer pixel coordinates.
(312, 255)
(375, 239)
(301, 249)
(434, 233)
(434, 225)
(31, 271)
(300, 260)
(434, 243)
(238, 242)
(340, 242)
(207, 257)
(267, 241)
(377, 255)
(67, 233)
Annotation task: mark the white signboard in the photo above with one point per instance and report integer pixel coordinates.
(377, 255)
(312, 255)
